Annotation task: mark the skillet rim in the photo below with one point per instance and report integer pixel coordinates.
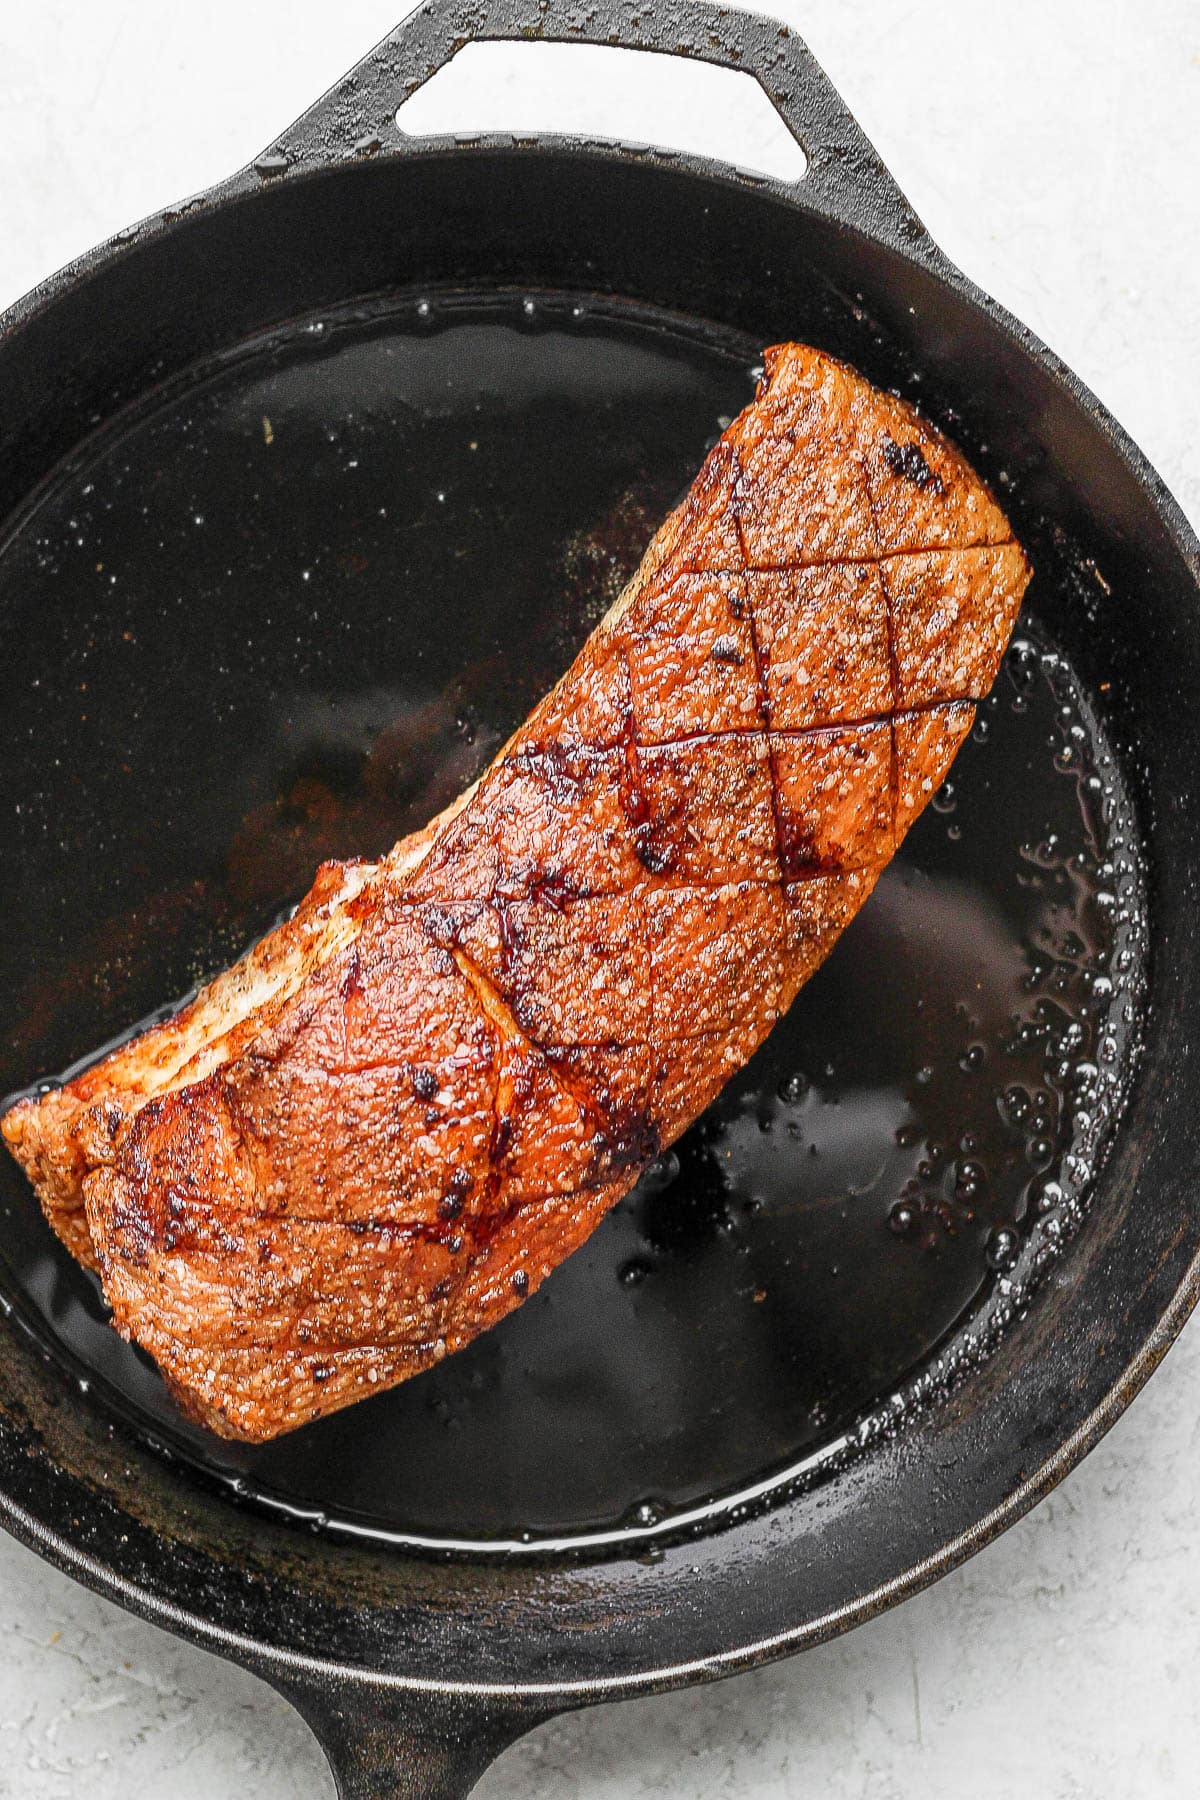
(283, 1668)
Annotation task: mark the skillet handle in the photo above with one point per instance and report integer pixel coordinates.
(390, 1744)
(845, 179)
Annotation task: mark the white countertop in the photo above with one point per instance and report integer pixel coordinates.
(1052, 147)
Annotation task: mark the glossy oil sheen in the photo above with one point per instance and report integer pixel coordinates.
(286, 614)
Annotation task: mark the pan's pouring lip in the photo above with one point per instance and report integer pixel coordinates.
(280, 1665)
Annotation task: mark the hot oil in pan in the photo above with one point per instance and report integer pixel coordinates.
(286, 615)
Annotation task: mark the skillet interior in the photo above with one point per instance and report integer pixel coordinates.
(299, 603)
(745, 261)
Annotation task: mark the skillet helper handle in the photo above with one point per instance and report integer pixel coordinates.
(845, 178)
(390, 1744)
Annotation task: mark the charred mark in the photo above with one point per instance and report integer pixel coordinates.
(632, 1141)
(512, 938)
(889, 614)
(133, 1227)
(764, 707)
(508, 1030)
(502, 1137)
(908, 462)
(881, 558)
(631, 790)
(654, 847)
(556, 890)
(351, 981)
(562, 764)
(454, 1199)
(655, 829)
(800, 855)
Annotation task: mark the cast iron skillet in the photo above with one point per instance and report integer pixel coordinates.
(416, 1668)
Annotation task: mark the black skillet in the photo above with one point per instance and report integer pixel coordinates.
(313, 483)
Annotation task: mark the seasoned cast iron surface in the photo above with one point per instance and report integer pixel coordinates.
(284, 617)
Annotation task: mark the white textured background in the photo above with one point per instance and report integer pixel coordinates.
(1053, 147)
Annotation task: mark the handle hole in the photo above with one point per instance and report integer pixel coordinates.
(602, 91)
